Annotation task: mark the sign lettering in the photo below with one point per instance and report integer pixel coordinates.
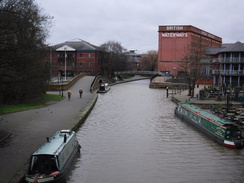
(207, 34)
(174, 34)
(174, 28)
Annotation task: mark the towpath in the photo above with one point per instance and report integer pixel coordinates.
(29, 129)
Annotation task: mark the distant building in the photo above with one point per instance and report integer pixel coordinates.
(175, 40)
(227, 64)
(134, 60)
(76, 57)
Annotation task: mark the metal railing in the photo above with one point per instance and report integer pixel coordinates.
(232, 60)
(136, 73)
(228, 72)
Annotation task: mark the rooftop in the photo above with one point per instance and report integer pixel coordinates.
(205, 114)
(55, 144)
(236, 47)
(227, 47)
(77, 44)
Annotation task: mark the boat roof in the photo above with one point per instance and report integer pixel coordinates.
(104, 84)
(211, 117)
(55, 144)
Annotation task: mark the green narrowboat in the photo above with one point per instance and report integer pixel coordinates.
(50, 163)
(223, 132)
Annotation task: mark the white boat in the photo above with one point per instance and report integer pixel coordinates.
(50, 163)
(104, 87)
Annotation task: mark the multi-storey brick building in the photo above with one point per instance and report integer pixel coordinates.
(175, 40)
(76, 57)
(227, 64)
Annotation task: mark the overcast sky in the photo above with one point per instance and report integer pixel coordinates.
(134, 23)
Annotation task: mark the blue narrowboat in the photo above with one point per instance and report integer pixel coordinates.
(50, 163)
(218, 129)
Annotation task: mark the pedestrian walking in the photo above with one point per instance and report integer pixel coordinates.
(80, 91)
(69, 94)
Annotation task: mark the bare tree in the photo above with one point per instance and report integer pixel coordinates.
(115, 56)
(191, 65)
(23, 71)
(149, 60)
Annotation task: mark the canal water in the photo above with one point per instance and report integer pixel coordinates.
(132, 136)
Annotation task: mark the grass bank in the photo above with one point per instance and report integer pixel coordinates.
(22, 107)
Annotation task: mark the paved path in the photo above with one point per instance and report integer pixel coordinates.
(183, 96)
(30, 128)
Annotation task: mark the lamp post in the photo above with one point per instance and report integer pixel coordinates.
(167, 90)
(62, 89)
(228, 99)
(59, 84)
(65, 63)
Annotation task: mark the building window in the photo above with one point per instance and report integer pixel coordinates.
(70, 55)
(80, 64)
(61, 55)
(89, 55)
(81, 55)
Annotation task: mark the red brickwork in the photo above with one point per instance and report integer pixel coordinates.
(175, 40)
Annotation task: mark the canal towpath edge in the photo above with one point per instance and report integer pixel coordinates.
(26, 131)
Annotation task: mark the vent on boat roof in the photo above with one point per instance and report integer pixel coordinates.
(65, 131)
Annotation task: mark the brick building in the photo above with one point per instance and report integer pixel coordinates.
(175, 40)
(76, 57)
(227, 64)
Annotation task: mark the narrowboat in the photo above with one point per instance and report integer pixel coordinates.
(51, 162)
(103, 88)
(219, 130)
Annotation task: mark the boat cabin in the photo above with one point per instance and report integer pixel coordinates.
(104, 87)
(52, 159)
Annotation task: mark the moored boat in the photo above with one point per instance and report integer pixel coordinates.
(223, 132)
(50, 163)
(103, 88)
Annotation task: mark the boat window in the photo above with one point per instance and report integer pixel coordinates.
(227, 134)
(102, 87)
(200, 120)
(194, 117)
(43, 164)
(184, 111)
(180, 109)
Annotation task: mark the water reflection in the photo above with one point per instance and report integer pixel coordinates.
(133, 136)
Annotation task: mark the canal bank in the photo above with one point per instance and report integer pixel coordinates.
(29, 129)
(182, 96)
(178, 92)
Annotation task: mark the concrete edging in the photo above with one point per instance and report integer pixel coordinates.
(83, 116)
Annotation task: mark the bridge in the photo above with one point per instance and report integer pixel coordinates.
(144, 73)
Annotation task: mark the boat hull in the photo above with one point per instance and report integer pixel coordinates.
(103, 91)
(212, 136)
